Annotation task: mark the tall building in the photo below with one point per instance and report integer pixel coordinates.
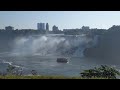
(38, 26)
(47, 26)
(41, 26)
(9, 28)
(55, 28)
(85, 27)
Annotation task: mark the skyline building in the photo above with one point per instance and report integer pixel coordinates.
(85, 27)
(55, 28)
(9, 28)
(40, 26)
(47, 26)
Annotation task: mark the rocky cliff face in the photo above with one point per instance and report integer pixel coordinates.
(108, 47)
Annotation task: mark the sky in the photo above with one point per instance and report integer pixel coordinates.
(62, 19)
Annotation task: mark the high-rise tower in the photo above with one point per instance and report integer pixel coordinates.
(47, 26)
(41, 26)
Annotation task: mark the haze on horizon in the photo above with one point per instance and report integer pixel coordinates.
(62, 19)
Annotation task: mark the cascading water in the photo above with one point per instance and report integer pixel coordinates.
(55, 45)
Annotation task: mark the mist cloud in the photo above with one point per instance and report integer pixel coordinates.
(50, 45)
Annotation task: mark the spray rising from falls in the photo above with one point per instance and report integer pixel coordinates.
(52, 45)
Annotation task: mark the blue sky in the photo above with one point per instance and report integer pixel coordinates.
(62, 19)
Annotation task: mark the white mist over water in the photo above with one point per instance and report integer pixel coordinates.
(51, 45)
(40, 52)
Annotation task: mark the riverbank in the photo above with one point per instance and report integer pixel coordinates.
(42, 77)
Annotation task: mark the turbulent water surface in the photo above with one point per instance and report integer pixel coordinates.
(41, 52)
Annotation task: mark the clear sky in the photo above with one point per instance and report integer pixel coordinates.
(62, 19)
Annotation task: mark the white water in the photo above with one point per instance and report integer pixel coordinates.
(41, 52)
(51, 45)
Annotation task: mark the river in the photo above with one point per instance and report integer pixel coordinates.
(41, 52)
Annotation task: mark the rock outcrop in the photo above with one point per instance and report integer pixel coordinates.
(108, 47)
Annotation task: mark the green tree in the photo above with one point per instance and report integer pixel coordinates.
(102, 72)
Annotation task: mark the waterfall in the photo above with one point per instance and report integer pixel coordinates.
(60, 45)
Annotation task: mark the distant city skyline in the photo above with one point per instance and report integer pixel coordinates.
(62, 19)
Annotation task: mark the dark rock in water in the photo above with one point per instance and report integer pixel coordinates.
(62, 60)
